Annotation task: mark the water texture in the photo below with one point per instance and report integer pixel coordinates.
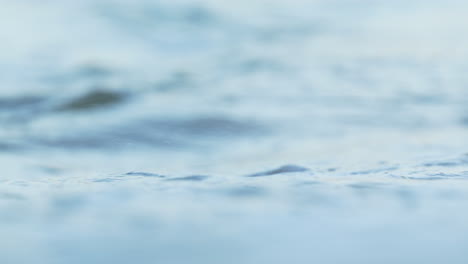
(203, 131)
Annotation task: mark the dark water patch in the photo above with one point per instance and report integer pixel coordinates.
(464, 121)
(428, 99)
(106, 180)
(144, 137)
(425, 178)
(51, 170)
(364, 189)
(21, 102)
(442, 164)
(198, 15)
(114, 139)
(407, 196)
(27, 104)
(374, 171)
(437, 176)
(281, 170)
(9, 147)
(191, 178)
(144, 174)
(65, 205)
(308, 183)
(22, 109)
(175, 134)
(463, 160)
(98, 98)
(79, 142)
(368, 188)
(366, 185)
(145, 20)
(246, 191)
(450, 175)
(207, 127)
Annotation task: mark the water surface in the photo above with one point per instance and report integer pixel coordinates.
(202, 131)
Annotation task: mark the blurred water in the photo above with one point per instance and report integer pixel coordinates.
(129, 130)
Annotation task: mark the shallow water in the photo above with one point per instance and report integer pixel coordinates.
(202, 131)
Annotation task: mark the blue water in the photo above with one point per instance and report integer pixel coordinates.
(203, 131)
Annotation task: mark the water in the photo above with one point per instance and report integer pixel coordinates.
(202, 131)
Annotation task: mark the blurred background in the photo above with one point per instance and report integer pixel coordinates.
(108, 99)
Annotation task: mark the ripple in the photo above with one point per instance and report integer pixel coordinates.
(191, 178)
(463, 160)
(374, 171)
(144, 174)
(281, 170)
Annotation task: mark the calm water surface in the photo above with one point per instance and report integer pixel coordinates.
(203, 131)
